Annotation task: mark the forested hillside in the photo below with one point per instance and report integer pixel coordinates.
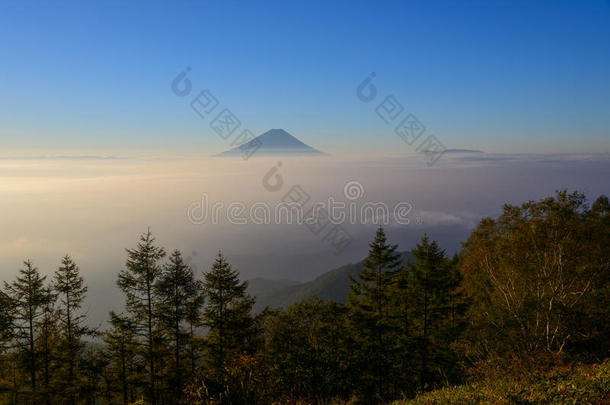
(330, 286)
(527, 296)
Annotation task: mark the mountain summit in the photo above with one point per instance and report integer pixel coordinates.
(274, 142)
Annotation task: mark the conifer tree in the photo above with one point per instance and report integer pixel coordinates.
(137, 281)
(176, 289)
(121, 350)
(92, 370)
(6, 327)
(28, 298)
(432, 283)
(370, 302)
(48, 342)
(70, 287)
(402, 299)
(306, 344)
(194, 319)
(227, 312)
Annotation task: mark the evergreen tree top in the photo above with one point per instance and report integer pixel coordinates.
(382, 255)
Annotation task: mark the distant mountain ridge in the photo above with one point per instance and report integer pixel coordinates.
(274, 142)
(259, 285)
(453, 151)
(330, 286)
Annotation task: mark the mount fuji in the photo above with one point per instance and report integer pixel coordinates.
(274, 142)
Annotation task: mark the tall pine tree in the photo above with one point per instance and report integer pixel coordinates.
(176, 290)
(435, 305)
(70, 287)
(194, 319)
(120, 349)
(48, 345)
(28, 298)
(371, 311)
(227, 312)
(137, 281)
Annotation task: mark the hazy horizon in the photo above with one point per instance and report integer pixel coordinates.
(94, 209)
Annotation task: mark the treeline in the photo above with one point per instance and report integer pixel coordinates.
(528, 289)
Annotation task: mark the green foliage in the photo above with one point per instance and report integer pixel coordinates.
(535, 273)
(227, 312)
(71, 290)
(581, 385)
(177, 292)
(371, 313)
(29, 300)
(137, 281)
(433, 309)
(194, 318)
(6, 320)
(306, 349)
(125, 368)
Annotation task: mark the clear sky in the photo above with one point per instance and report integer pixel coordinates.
(501, 76)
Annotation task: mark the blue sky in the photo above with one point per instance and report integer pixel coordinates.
(501, 76)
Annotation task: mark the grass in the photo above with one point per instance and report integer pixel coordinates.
(578, 385)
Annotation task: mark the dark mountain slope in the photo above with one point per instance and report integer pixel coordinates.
(330, 286)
